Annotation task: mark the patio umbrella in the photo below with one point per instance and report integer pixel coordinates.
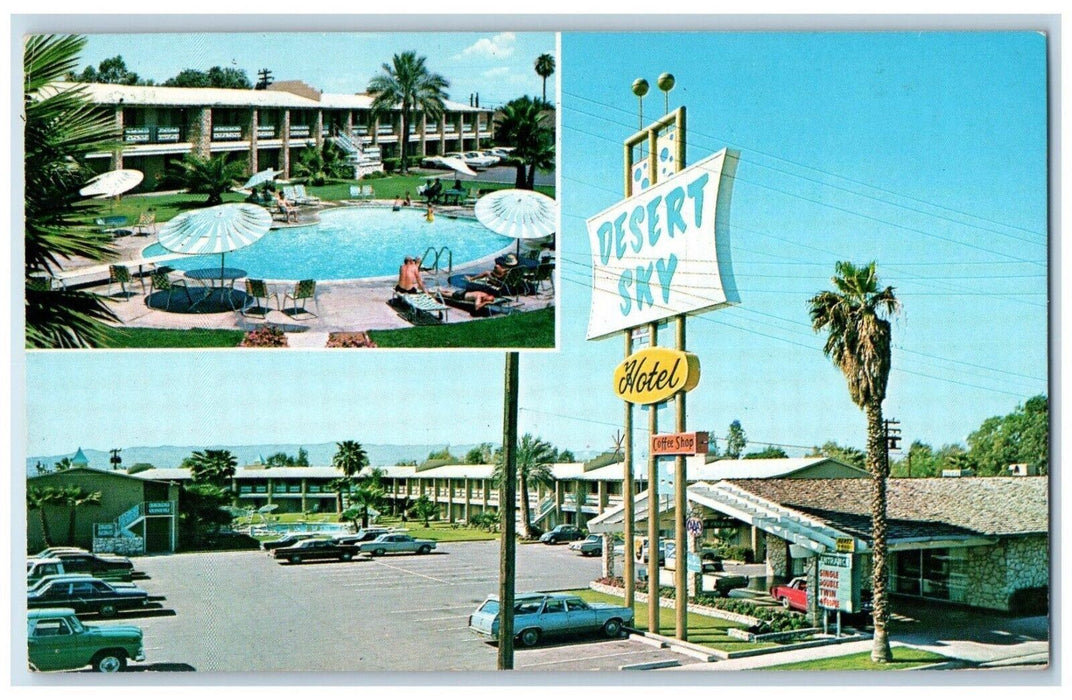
(520, 214)
(112, 183)
(261, 178)
(218, 229)
(458, 164)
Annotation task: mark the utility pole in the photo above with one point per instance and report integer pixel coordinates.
(264, 79)
(507, 517)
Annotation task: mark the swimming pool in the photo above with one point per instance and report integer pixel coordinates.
(352, 243)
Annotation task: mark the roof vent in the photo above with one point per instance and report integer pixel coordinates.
(1023, 470)
(958, 472)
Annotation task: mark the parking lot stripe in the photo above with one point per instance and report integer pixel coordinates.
(575, 659)
(435, 609)
(439, 619)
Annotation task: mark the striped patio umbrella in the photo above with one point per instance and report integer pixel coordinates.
(112, 183)
(218, 229)
(520, 214)
(261, 178)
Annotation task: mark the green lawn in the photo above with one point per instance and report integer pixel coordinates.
(707, 631)
(157, 338)
(535, 329)
(904, 658)
(398, 185)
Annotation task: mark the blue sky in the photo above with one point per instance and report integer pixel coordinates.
(925, 152)
(498, 65)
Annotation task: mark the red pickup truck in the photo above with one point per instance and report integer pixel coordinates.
(793, 594)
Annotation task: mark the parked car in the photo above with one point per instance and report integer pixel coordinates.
(590, 546)
(96, 564)
(287, 540)
(503, 152)
(478, 160)
(538, 615)
(316, 549)
(363, 535)
(562, 533)
(86, 595)
(395, 543)
(36, 569)
(50, 551)
(793, 594)
(45, 580)
(58, 641)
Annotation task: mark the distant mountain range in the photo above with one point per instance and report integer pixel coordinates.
(319, 455)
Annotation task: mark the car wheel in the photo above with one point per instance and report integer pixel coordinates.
(785, 602)
(378, 553)
(424, 549)
(612, 628)
(552, 540)
(346, 556)
(109, 662)
(107, 610)
(529, 637)
(295, 559)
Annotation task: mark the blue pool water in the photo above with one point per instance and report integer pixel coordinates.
(352, 243)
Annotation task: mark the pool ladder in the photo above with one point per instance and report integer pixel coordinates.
(435, 267)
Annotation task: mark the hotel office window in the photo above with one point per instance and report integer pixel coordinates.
(940, 574)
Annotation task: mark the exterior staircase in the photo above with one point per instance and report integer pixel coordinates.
(363, 160)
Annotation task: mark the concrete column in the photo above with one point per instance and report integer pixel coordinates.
(318, 130)
(374, 130)
(421, 126)
(756, 542)
(558, 502)
(271, 490)
(602, 496)
(608, 554)
(117, 154)
(484, 491)
(199, 130)
(814, 614)
(254, 122)
(285, 165)
(450, 500)
(580, 495)
(304, 486)
(461, 134)
(442, 133)
(468, 497)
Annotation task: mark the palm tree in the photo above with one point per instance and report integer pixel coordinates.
(212, 467)
(62, 128)
(74, 497)
(213, 175)
(522, 123)
(424, 508)
(534, 458)
(339, 486)
(319, 164)
(367, 496)
(545, 66)
(859, 343)
(37, 498)
(350, 458)
(407, 85)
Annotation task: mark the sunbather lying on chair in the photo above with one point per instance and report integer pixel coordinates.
(479, 299)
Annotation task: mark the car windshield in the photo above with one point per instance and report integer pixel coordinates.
(490, 607)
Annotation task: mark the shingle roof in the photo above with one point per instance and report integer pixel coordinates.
(918, 507)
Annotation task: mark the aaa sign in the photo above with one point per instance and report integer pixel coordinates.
(653, 375)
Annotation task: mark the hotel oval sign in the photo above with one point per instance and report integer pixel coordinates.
(653, 375)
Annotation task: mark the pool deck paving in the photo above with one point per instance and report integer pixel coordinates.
(341, 306)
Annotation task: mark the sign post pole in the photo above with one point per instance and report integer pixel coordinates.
(653, 507)
(629, 568)
(680, 487)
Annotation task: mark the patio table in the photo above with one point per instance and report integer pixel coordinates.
(453, 196)
(208, 276)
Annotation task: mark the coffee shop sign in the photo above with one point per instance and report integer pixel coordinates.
(653, 375)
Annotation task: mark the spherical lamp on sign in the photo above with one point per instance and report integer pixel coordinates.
(640, 88)
(666, 84)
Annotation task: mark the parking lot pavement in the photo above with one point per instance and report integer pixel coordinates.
(243, 611)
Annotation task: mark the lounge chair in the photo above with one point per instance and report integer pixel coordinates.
(543, 274)
(120, 274)
(146, 223)
(302, 197)
(355, 191)
(257, 299)
(457, 299)
(303, 291)
(367, 192)
(421, 309)
(114, 225)
(161, 282)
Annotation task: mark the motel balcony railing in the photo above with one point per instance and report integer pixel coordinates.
(360, 130)
(385, 130)
(153, 134)
(300, 131)
(266, 132)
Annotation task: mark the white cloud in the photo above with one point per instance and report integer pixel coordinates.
(498, 46)
(496, 72)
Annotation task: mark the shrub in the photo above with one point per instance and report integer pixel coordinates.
(350, 340)
(736, 553)
(374, 175)
(264, 337)
(1030, 601)
(391, 165)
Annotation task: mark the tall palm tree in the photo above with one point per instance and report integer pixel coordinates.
(62, 128)
(368, 496)
(212, 467)
(534, 458)
(859, 343)
(340, 486)
(545, 66)
(350, 458)
(37, 498)
(213, 175)
(522, 124)
(75, 497)
(408, 86)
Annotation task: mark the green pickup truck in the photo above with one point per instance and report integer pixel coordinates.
(58, 641)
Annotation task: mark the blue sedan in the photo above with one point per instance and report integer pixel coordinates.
(538, 615)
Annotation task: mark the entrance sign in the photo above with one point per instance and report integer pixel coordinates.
(665, 251)
(654, 374)
(835, 582)
(679, 444)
